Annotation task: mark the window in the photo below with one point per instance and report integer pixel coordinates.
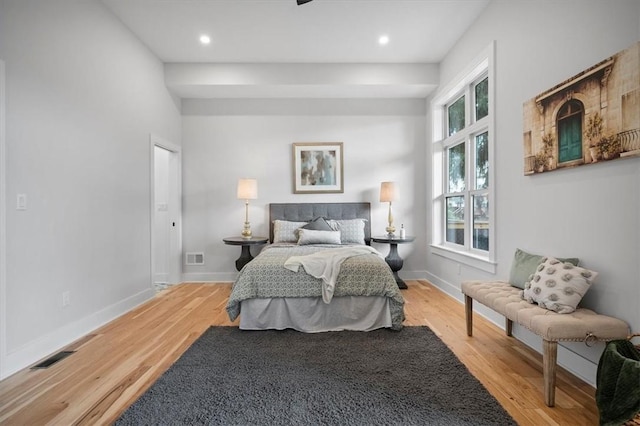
(463, 199)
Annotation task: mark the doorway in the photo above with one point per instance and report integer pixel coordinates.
(570, 131)
(166, 213)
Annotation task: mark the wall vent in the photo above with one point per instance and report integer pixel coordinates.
(195, 259)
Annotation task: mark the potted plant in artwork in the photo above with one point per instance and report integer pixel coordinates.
(609, 147)
(540, 161)
(593, 134)
(543, 160)
(547, 150)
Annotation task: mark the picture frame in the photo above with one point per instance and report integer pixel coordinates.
(590, 118)
(318, 168)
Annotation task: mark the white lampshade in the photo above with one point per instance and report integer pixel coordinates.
(247, 189)
(387, 192)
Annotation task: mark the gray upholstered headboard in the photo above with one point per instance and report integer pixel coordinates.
(304, 212)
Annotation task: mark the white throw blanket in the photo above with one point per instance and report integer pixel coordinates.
(325, 264)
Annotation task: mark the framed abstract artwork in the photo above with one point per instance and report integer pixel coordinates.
(318, 168)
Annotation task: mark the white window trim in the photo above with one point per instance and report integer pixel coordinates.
(484, 63)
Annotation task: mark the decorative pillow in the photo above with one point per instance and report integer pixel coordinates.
(524, 265)
(285, 231)
(311, 236)
(558, 286)
(318, 224)
(351, 230)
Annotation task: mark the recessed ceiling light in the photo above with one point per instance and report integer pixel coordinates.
(205, 39)
(384, 39)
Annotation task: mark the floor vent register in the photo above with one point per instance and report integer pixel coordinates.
(52, 360)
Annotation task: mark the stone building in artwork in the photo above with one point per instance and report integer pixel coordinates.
(593, 116)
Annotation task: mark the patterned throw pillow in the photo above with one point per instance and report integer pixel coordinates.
(524, 265)
(558, 286)
(285, 231)
(351, 230)
(312, 236)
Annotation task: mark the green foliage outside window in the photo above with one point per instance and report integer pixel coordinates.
(482, 160)
(456, 116)
(456, 159)
(455, 220)
(482, 99)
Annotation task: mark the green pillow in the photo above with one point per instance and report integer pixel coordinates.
(525, 264)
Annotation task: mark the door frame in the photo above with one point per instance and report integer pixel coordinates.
(3, 224)
(175, 205)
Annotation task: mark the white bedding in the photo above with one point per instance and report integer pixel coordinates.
(325, 264)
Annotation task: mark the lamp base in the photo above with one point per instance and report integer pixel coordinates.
(391, 230)
(246, 231)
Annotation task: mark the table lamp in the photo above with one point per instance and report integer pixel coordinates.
(388, 195)
(247, 190)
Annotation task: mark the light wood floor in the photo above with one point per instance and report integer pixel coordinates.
(114, 365)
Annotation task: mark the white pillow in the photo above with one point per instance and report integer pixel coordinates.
(311, 236)
(351, 230)
(558, 286)
(285, 231)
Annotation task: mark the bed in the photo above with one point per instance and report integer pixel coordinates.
(274, 290)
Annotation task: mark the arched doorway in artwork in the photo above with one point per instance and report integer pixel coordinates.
(569, 125)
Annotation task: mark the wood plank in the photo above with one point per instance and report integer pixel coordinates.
(117, 363)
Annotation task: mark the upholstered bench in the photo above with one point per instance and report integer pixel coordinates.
(580, 325)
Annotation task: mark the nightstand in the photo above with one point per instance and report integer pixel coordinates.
(393, 259)
(246, 243)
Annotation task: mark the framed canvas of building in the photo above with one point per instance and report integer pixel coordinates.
(594, 116)
(318, 168)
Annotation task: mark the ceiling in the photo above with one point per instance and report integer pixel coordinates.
(281, 32)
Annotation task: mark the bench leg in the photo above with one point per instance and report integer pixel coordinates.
(549, 361)
(508, 326)
(468, 314)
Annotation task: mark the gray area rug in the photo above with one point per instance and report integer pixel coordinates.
(383, 377)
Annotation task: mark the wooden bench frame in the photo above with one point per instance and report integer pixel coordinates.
(549, 353)
(582, 325)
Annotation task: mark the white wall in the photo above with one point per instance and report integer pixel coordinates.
(83, 95)
(382, 141)
(590, 212)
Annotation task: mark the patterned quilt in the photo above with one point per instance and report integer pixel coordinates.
(266, 277)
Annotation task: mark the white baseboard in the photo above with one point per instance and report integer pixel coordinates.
(412, 275)
(48, 344)
(206, 277)
(570, 360)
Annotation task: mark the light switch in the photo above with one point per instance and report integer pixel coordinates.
(21, 203)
